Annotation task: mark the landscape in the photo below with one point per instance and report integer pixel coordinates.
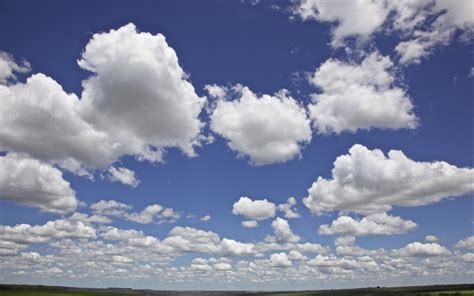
(237, 147)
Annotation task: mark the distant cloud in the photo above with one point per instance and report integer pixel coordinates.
(267, 128)
(124, 176)
(205, 218)
(359, 96)
(254, 209)
(33, 183)
(8, 67)
(417, 249)
(366, 181)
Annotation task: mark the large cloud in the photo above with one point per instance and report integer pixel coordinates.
(254, 209)
(367, 181)
(268, 129)
(32, 183)
(374, 224)
(359, 96)
(418, 249)
(137, 102)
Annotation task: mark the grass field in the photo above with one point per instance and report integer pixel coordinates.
(438, 290)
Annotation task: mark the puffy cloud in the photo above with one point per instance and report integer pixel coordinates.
(467, 243)
(280, 260)
(147, 215)
(165, 108)
(124, 176)
(359, 96)
(287, 208)
(230, 247)
(8, 67)
(421, 25)
(205, 218)
(138, 102)
(431, 238)
(282, 232)
(32, 183)
(417, 249)
(374, 224)
(110, 208)
(254, 209)
(90, 219)
(249, 223)
(188, 239)
(350, 17)
(268, 129)
(366, 181)
(63, 229)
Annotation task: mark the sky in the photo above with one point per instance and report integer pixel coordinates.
(236, 145)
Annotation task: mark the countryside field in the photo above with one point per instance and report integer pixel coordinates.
(437, 290)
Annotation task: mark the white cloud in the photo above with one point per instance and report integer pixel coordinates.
(188, 239)
(374, 224)
(124, 176)
(280, 260)
(431, 238)
(249, 223)
(282, 232)
(110, 208)
(90, 219)
(254, 209)
(147, 215)
(365, 181)
(359, 96)
(113, 233)
(205, 218)
(467, 243)
(268, 129)
(230, 247)
(138, 102)
(27, 234)
(287, 208)
(8, 67)
(32, 183)
(139, 94)
(417, 249)
(350, 17)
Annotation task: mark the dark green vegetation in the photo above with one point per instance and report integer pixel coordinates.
(438, 290)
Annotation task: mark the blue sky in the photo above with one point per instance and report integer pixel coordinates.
(212, 113)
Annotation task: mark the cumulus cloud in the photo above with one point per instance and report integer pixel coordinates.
(268, 129)
(110, 208)
(254, 209)
(431, 238)
(33, 183)
(205, 218)
(124, 176)
(146, 216)
(374, 224)
(288, 208)
(467, 243)
(349, 17)
(422, 26)
(366, 181)
(249, 223)
(138, 102)
(280, 260)
(63, 229)
(359, 96)
(8, 67)
(282, 232)
(418, 249)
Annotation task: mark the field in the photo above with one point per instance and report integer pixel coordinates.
(438, 290)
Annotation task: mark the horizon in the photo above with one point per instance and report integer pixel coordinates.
(293, 145)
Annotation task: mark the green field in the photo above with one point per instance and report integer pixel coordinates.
(438, 290)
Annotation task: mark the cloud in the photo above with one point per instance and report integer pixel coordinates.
(61, 229)
(366, 181)
(287, 208)
(137, 102)
(349, 17)
(8, 67)
(268, 129)
(431, 238)
(205, 218)
(417, 249)
(230, 247)
(280, 260)
(249, 223)
(188, 239)
(32, 183)
(254, 209)
(467, 243)
(124, 176)
(89, 219)
(374, 224)
(110, 208)
(282, 232)
(359, 96)
(146, 216)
